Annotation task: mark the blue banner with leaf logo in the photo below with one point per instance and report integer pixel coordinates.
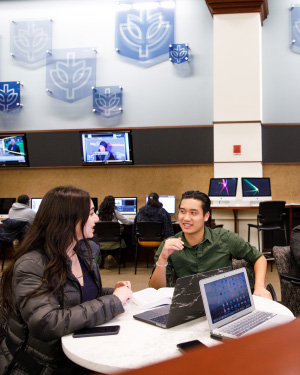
(9, 96)
(71, 73)
(295, 28)
(178, 53)
(29, 40)
(144, 34)
(107, 100)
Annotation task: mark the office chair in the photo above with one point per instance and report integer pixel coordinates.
(110, 238)
(238, 263)
(11, 230)
(289, 285)
(211, 223)
(149, 235)
(271, 217)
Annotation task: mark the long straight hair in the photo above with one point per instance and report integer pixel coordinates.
(52, 233)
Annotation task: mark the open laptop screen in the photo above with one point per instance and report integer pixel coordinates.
(227, 296)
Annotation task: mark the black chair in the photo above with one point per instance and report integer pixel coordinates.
(238, 263)
(110, 238)
(149, 235)
(271, 217)
(289, 285)
(211, 223)
(11, 230)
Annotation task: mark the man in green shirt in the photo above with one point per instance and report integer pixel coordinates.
(198, 248)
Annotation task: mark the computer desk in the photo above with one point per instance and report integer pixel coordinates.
(140, 344)
(293, 212)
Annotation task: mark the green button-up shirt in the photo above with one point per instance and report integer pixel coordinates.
(215, 251)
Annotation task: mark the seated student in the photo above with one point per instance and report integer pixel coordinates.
(154, 211)
(295, 251)
(198, 248)
(21, 210)
(109, 212)
(53, 286)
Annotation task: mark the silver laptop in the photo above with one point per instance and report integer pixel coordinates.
(230, 309)
(186, 302)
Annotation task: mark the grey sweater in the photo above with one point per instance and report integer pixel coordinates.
(20, 211)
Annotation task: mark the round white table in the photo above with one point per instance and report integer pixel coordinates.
(139, 344)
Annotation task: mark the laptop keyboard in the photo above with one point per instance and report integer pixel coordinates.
(245, 324)
(162, 319)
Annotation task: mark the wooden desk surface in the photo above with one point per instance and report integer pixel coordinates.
(276, 352)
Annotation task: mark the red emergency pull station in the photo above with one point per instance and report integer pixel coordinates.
(237, 149)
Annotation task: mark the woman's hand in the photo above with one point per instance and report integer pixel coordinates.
(123, 283)
(124, 293)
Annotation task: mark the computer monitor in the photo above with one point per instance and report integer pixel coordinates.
(256, 189)
(95, 202)
(126, 205)
(222, 189)
(5, 205)
(168, 202)
(35, 203)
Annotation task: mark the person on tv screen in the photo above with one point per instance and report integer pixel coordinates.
(198, 248)
(103, 154)
(53, 286)
(12, 147)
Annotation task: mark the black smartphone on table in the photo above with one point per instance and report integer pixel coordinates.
(184, 346)
(97, 331)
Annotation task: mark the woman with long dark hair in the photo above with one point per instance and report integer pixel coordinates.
(109, 212)
(53, 286)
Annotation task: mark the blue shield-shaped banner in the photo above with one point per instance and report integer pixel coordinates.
(295, 28)
(29, 40)
(107, 100)
(9, 96)
(178, 53)
(143, 35)
(71, 73)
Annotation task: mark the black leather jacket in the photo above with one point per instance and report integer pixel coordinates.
(40, 324)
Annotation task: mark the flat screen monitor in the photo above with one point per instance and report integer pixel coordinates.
(35, 203)
(126, 205)
(5, 205)
(222, 189)
(95, 202)
(256, 188)
(13, 150)
(100, 148)
(168, 202)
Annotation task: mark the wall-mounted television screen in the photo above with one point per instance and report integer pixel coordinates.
(106, 148)
(13, 150)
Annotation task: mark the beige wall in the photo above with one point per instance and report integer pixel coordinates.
(138, 181)
(117, 181)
